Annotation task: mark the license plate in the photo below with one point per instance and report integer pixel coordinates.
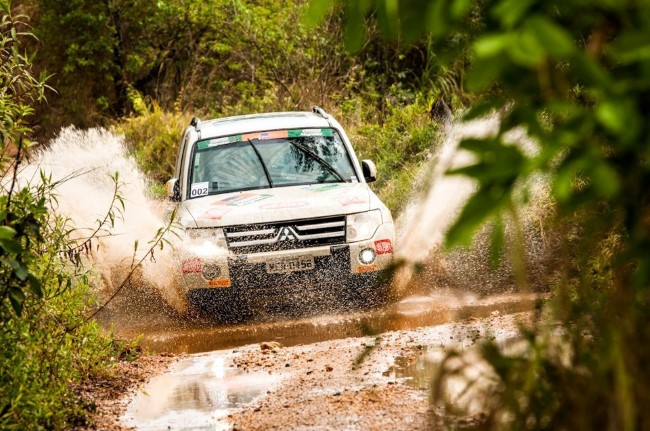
(292, 264)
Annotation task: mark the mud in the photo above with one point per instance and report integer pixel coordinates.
(161, 330)
(357, 383)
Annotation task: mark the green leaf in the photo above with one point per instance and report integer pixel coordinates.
(494, 44)
(316, 12)
(510, 12)
(605, 180)
(460, 8)
(589, 71)
(35, 285)
(484, 72)
(17, 298)
(563, 183)
(619, 116)
(477, 209)
(556, 40)
(498, 162)
(19, 269)
(631, 47)
(355, 30)
(437, 18)
(527, 50)
(7, 232)
(11, 246)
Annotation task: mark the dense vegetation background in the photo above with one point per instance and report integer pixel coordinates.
(574, 74)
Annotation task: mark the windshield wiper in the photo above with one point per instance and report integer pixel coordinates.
(319, 159)
(259, 156)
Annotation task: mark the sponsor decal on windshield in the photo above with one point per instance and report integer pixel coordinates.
(202, 145)
(242, 200)
(275, 134)
(297, 133)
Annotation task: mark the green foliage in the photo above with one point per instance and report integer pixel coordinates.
(20, 228)
(41, 357)
(216, 57)
(47, 342)
(576, 77)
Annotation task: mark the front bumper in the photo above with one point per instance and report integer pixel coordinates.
(332, 264)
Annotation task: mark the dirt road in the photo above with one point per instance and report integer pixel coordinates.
(316, 373)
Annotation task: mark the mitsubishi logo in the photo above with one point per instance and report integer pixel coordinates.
(287, 234)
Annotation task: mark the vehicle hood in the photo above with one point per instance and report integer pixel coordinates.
(276, 204)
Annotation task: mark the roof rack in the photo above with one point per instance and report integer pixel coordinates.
(196, 123)
(318, 110)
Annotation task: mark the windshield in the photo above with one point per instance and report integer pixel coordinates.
(269, 159)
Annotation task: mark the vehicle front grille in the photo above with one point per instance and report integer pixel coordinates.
(255, 238)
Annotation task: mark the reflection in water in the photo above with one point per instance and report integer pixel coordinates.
(197, 394)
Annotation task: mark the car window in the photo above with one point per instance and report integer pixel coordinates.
(269, 159)
(229, 168)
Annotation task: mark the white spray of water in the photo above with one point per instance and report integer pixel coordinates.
(423, 224)
(97, 155)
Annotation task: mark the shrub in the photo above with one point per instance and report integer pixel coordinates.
(47, 342)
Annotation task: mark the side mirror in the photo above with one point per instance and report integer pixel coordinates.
(173, 189)
(369, 170)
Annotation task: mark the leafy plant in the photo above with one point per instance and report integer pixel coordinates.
(575, 77)
(48, 341)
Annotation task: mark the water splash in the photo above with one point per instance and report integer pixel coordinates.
(84, 161)
(423, 225)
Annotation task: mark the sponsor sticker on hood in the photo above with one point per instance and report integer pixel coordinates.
(322, 187)
(242, 200)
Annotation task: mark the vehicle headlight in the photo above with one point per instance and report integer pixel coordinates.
(206, 242)
(367, 256)
(363, 226)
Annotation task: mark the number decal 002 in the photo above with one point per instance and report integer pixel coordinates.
(199, 189)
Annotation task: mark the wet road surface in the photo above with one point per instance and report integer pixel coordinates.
(229, 383)
(356, 383)
(163, 331)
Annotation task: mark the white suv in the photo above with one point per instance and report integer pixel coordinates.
(276, 201)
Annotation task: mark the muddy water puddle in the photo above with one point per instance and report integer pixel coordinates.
(164, 335)
(198, 393)
(415, 371)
